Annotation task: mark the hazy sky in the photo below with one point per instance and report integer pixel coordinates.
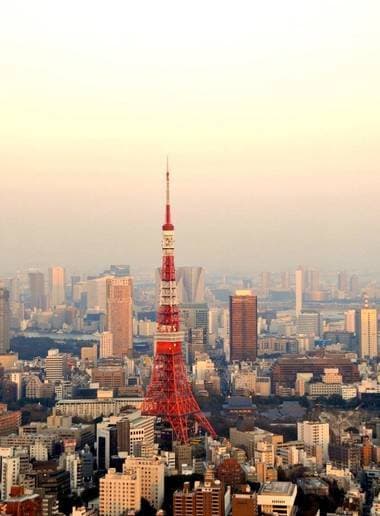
(270, 113)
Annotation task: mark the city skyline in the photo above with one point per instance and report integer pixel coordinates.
(271, 132)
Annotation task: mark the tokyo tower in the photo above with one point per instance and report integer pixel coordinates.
(169, 395)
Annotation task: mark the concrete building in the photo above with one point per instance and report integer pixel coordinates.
(120, 314)
(190, 284)
(195, 317)
(350, 321)
(55, 366)
(5, 315)
(277, 498)
(299, 291)
(244, 503)
(37, 290)
(152, 473)
(314, 434)
(309, 324)
(120, 492)
(106, 345)
(206, 499)
(366, 328)
(243, 326)
(56, 286)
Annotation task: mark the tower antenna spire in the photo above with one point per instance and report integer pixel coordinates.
(168, 219)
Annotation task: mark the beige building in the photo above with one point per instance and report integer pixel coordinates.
(120, 314)
(55, 366)
(367, 330)
(314, 435)
(152, 472)
(106, 345)
(277, 498)
(120, 492)
(299, 291)
(91, 409)
(56, 286)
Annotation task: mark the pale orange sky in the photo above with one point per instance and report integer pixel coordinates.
(270, 112)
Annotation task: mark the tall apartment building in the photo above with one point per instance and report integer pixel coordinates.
(56, 286)
(106, 344)
(350, 321)
(55, 366)
(10, 470)
(366, 329)
(120, 492)
(37, 290)
(206, 499)
(314, 434)
(243, 325)
(152, 473)
(120, 314)
(5, 315)
(299, 291)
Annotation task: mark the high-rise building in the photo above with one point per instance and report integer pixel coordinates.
(366, 329)
(195, 316)
(342, 283)
(243, 325)
(190, 285)
(285, 280)
(120, 492)
(152, 473)
(120, 314)
(56, 286)
(299, 291)
(314, 279)
(265, 283)
(56, 366)
(206, 499)
(350, 321)
(37, 290)
(309, 323)
(4, 320)
(106, 345)
(314, 434)
(354, 285)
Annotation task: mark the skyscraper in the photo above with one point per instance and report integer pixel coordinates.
(37, 290)
(56, 286)
(119, 293)
(366, 329)
(243, 325)
(314, 279)
(4, 320)
(342, 282)
(190, 284)
(299, 290)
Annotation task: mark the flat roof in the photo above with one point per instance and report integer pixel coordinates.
(281, 488)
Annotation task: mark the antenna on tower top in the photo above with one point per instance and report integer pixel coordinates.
(167, 181)
(168, 223)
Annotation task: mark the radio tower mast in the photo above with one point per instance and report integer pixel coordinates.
(169, 394)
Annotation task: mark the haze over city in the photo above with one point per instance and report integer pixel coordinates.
(269, 114)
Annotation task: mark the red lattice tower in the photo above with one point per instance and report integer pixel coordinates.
(169, 394)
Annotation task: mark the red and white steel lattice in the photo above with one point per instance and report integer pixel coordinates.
(169, 394)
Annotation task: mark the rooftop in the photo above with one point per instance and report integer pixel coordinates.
(280, 488)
